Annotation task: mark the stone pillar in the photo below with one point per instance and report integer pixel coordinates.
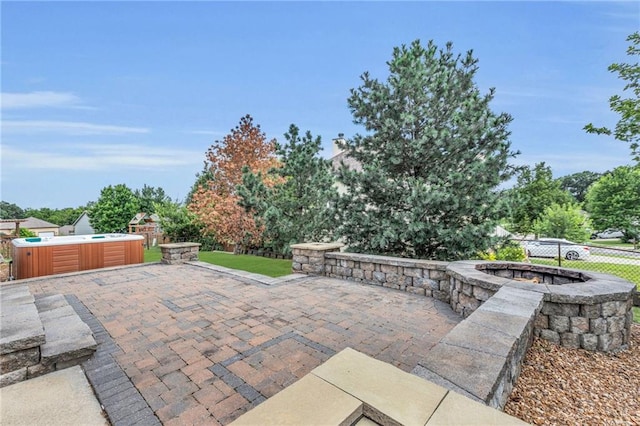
(308, 258)
(179, 252)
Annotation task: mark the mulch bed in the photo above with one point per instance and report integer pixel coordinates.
(562, 386)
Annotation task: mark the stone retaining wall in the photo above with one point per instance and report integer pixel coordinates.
(179, 252)
(424, 277)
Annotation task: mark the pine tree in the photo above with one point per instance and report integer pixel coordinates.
(295, 208)
(432, 157)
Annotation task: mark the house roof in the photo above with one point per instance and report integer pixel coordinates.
(144, 218)
(30, 223)
(84, 213)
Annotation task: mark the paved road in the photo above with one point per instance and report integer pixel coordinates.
(615, 252)
(615, 260)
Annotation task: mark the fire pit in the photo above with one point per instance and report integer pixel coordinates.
(581, 309)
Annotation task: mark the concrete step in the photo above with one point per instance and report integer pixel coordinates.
(21, 334)
(69, 340)
(21, 325)
(38, 336)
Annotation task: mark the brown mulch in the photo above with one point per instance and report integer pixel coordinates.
(562, 386)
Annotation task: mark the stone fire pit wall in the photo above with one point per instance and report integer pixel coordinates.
(581, 309)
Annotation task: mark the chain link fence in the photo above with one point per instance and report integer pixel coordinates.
(621, 261)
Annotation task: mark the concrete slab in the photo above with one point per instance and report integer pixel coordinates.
(48, 303)
(310, 401)
(514, 302)
(500, 322)
(456, 410)
(60, 398)
(15, 295)
(478, 337)
(474, 371)
(366, 422)
(21, 326)
(382, 387)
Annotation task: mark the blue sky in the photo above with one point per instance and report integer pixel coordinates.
(97, 94)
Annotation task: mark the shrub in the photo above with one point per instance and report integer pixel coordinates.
(510, 251)
(27, 233)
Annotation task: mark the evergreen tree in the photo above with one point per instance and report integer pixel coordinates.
(202, 182)
(432, 157)
(177, 222)
(295, 208)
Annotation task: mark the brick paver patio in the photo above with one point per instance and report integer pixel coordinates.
(203, 347)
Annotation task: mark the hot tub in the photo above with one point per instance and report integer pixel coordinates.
(39, 256)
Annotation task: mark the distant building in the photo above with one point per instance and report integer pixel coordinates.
(42, 228)
(501, 232)
(147, 225)
(143, 222)
(339, 157)
(82, 225)
(66, 230)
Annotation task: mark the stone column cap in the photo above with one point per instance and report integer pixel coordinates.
(317, 246)
(179, 245)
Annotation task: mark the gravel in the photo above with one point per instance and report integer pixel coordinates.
(562, 386)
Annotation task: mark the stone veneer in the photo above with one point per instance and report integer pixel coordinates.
(424, 277)
(581, 309)
(174, 253)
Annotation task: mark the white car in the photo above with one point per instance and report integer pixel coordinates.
(610, 233)
(548, 247)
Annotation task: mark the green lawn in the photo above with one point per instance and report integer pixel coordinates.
(152, 255)
(628, 272)
(243, 262)
(611, 243)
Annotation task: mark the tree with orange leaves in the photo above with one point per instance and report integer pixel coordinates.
(216, 202)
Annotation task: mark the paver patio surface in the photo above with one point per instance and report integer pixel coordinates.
(203, 347)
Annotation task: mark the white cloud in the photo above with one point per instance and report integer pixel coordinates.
(39, 100)
(67, 128)
(100, 157)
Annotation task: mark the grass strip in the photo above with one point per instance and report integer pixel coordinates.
(255, 264)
